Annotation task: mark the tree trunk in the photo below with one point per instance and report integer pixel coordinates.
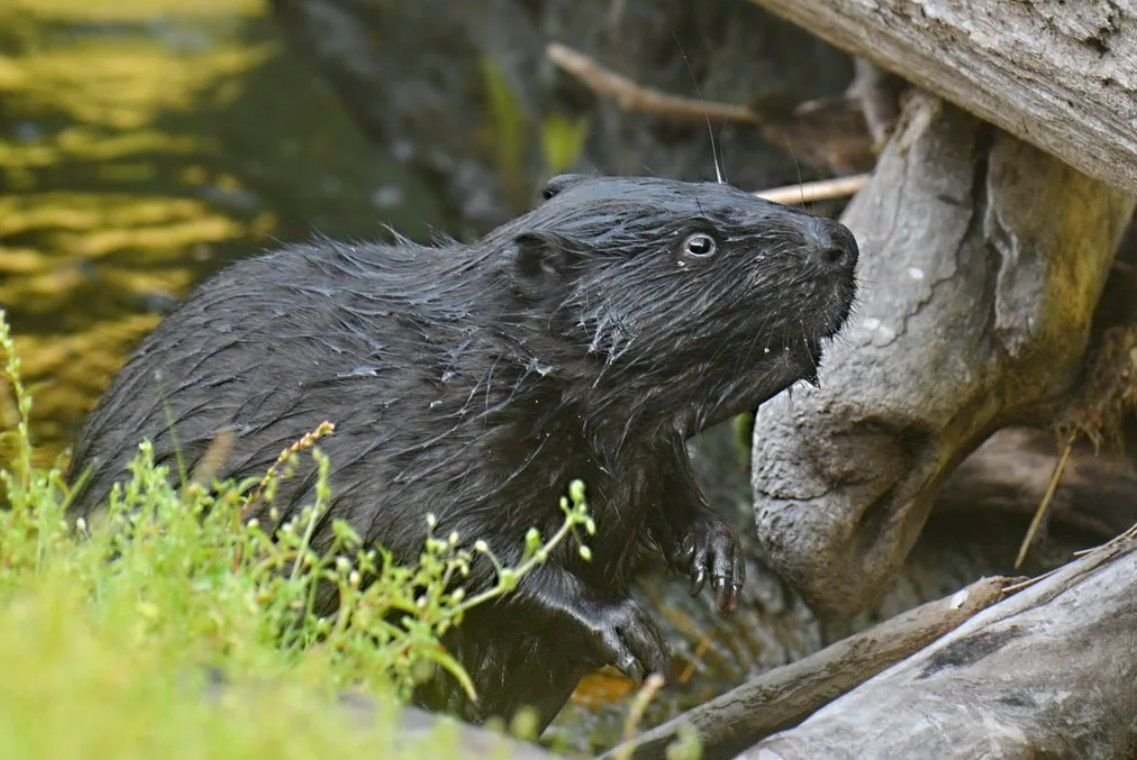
(983, 260)
(1059, 75)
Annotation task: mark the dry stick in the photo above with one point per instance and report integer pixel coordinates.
(1046, 673)
(651, 687)
(214, 458)
(700, 650)
(1129, 535)
(1047, 497)
(812, 192)
(785, 696)
(632, 96)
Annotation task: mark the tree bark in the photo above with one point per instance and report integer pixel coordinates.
(784, 696)
(1059, 75)
(1050, 672)
(983, 262)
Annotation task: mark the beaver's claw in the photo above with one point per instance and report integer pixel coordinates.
(626, 637)
(710, 549)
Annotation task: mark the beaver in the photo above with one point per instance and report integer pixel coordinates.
(587, 339)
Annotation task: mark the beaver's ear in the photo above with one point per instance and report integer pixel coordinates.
(558, 183)
(540, 263)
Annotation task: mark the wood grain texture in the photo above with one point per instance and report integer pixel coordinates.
(1060, 75)
(733, 721)
(1050, 672)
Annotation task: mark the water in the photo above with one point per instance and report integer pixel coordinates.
(143, 145)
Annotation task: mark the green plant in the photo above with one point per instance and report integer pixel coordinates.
(121, 622)
(562, 142)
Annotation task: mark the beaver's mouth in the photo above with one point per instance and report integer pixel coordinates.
(796, 361)
(776, 370)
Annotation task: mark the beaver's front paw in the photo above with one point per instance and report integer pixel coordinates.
(709, 548)
(626, 637)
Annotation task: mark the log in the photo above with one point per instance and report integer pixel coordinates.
(1097, 494)
(983, 262)
(420, 730)
(976, 525)
(413, 730)
(1050, 672)
(784, 696)
(1059, 75)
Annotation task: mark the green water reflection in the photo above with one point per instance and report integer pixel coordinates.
(143, 144)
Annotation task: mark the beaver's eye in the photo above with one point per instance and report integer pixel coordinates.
(699, 245)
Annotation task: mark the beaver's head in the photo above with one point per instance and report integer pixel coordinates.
(689, 301)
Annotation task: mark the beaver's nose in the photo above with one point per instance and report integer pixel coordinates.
(834, 247)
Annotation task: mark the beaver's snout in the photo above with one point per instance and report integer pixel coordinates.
(832, 247)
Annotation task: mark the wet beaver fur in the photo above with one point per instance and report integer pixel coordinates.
(586, 339)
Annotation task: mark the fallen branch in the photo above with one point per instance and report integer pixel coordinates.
(632, 96)
(1050, 672)
(812, 192)
(830, 133)
(783, 697)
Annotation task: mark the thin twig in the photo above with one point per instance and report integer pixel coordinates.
(652, 684)
(812, 192)
(214, 458)
(632, 96)
(700, 650)
(1047, 497)
(1128, 535)
(1028, 582)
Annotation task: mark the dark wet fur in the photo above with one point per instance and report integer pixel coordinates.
(475, 381)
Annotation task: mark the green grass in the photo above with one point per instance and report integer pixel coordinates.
(113, 635)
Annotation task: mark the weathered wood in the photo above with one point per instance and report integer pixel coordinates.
(784, 696)
(1059, 75)
(417, 728)
(1096, 495)
(983, 260)
(1050, 672)
(412, 729)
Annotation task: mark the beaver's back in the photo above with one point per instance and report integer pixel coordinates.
(269, 349)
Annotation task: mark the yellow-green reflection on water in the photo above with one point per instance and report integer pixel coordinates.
(143, 144)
